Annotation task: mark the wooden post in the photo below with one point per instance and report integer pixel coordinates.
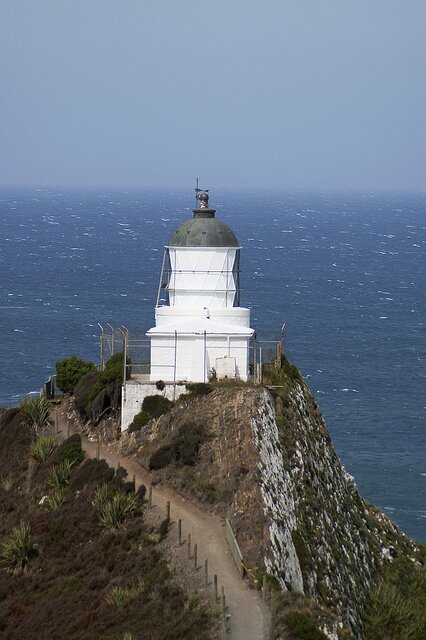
(273, 613)
(189, 545)
(68, 428)
(150, 496)
(195, 556)
(98, 451)
(215, 587)
(265, 583)
(206, 571)
(180, 531)
(134, 482)
(255, 380)
(223, 610)
(168, 510)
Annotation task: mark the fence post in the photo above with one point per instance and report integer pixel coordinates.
(180, 531)
(273, 614)
(168, 510)
(222, 600)
(195, 556)
(68, 428)
(189, 545)
(215, 587)
(134, 482)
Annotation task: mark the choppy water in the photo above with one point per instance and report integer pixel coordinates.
(345, 272)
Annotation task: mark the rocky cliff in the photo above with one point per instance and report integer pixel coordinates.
(262, 457)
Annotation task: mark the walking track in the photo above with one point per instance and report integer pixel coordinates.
(248, 615)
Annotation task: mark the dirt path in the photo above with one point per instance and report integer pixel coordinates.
(248, 615)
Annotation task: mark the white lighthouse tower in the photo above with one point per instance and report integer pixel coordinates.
(201, 332)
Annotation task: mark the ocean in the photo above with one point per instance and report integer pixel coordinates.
(344, 271)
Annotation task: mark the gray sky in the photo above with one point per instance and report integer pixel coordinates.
(280, 93)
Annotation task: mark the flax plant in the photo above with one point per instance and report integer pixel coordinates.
(18, 549)
(41, 448)
(36, 412)
(114, 508)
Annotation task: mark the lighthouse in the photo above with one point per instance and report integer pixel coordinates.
(201, 332)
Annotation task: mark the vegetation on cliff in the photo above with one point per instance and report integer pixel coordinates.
(262, 457)
(79, 560)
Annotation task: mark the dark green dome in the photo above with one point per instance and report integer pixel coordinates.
(203, 230)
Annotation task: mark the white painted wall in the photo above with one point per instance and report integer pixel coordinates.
(202, 277)
(195, 356)
(237, 316)
(133, 394)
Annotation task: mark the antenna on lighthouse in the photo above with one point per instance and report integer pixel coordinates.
(197, 191)
(201, 196)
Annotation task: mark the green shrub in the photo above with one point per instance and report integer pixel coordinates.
(182, 449)
(140, 420)
(199, 388)
(302, 626)
(18, 549)
(188, 442)
(114, 508)
(290, 370)
(162, 457)
(70, 370)
(36, 412)
(72, 451)
(83, 390)
(41, 448)
(156, 405)
(113, 373)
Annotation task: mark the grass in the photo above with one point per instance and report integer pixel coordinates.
(117, 596)
(398, 604)
(41, 448)
(18, 549)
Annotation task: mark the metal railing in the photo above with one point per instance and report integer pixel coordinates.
(138, 352)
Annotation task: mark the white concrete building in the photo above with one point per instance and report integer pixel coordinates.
(201, 332)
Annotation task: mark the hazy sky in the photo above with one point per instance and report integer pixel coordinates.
(279, 93)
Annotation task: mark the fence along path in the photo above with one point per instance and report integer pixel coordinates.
(248, 616)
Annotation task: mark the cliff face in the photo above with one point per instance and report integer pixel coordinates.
(263, 458)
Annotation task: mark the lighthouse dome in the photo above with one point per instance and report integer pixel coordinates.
(203, 230)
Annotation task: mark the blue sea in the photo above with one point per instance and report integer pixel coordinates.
(345, 272)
